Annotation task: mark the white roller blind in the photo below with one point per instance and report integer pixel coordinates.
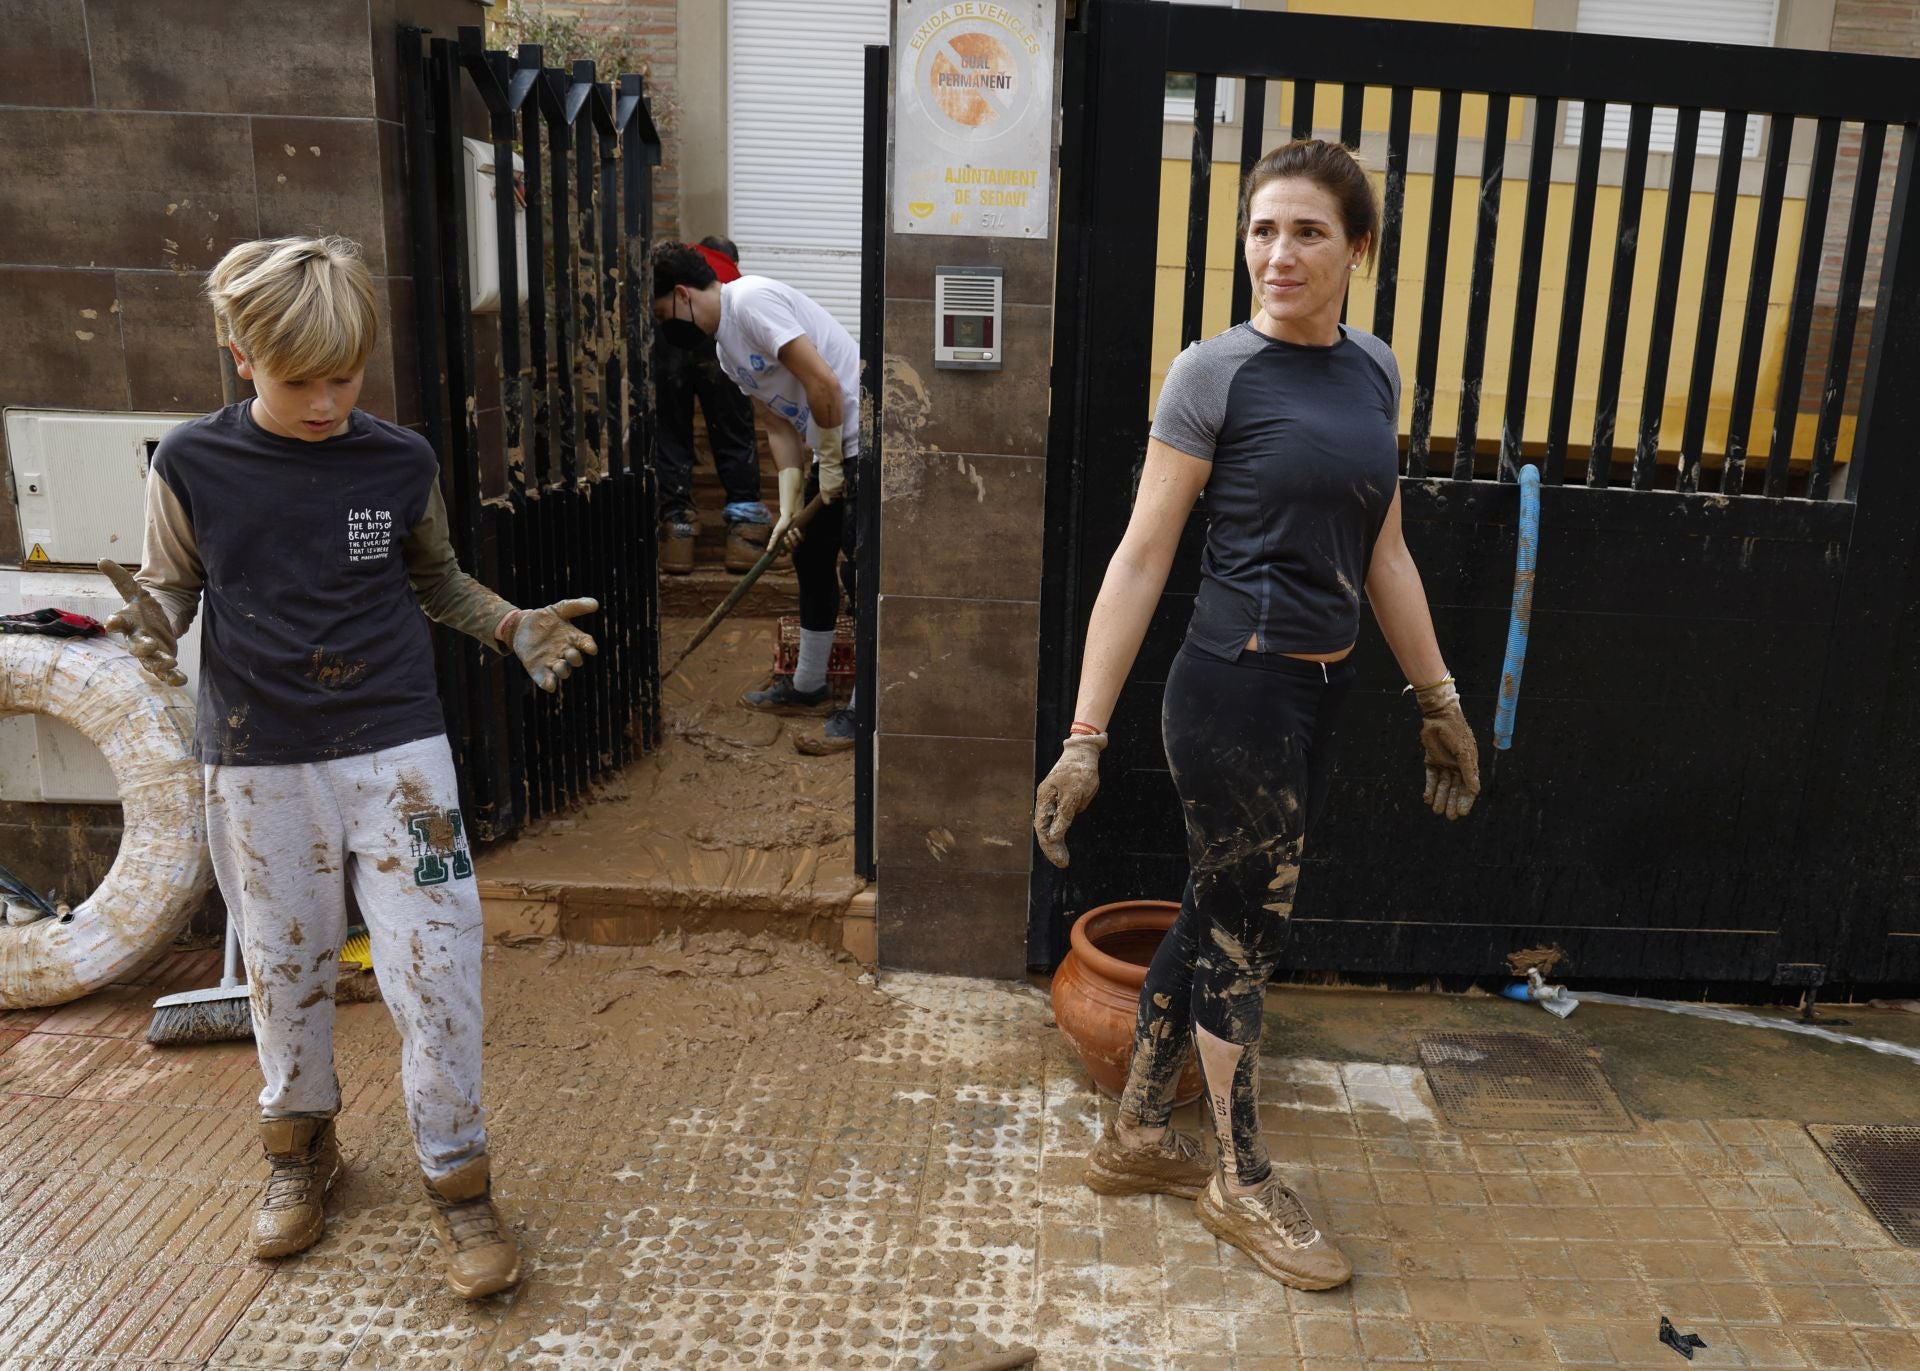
(795, 78)
(1700, 21)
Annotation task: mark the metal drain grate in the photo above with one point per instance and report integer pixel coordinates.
(1882, 1164)
(1521, 1081)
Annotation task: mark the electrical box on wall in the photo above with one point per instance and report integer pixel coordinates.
(966, 318)
(79, 495)
(483, 230)
(79, 482)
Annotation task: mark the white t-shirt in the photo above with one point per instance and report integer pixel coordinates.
(758, 317)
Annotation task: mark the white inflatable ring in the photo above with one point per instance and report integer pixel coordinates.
(162, 872)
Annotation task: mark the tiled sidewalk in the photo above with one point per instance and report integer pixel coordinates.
(919, 1200)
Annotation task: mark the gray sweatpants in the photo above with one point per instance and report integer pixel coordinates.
(285, 840)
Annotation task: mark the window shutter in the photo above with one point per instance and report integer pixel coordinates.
(795, 92)
(1700, 21)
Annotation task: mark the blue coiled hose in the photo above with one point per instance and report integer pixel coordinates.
(1521, 619)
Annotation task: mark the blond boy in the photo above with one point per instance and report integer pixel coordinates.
(311, 535)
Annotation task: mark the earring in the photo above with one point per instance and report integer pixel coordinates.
(1353, 266)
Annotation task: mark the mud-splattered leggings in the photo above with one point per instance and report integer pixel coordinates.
(286, 840)
(824, 562)
(1251, 746)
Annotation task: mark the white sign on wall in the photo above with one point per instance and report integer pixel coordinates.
(973, 118)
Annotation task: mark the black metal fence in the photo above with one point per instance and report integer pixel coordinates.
(1529, 82)
(1712, 778)
(542, 410)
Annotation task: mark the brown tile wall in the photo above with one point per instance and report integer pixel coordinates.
(963, 483)
(140, 139)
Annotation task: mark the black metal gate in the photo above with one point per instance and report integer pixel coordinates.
(542, 412)
(1715, 770)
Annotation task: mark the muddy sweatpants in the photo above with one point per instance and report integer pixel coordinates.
(286, 840)
(1250, 744)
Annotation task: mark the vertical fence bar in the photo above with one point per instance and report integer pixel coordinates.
(1613, 348)
(1806, 284)
(1753, 327)
(1353, 106)
(1252, 131)
(555, 96)
(1199, 193)
(873, 293)
(1533, 237)
(1433, 293)
(1853, 270)
(1392, 211)
(1666, 295)
(1713, 291)
(1573, 300)
(1486, 235)
(534, 726)
(477, 751)
(1303, 96)
(608, 726)
(646, 517)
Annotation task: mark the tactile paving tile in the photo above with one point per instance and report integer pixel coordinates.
(1882, 1164)
(1521, 1081)
(425, 1327)
(305, 1320)
(788, 1332)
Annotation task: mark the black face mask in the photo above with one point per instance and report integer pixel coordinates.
(681, 333)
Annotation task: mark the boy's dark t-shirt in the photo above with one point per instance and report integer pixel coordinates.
(312, 641)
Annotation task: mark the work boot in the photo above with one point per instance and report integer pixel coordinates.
(838, 736)
(305, 1157)
(747, 544)
(1274, 1228)
(482, 1256)
(1174, 1165)
(676, 548)
(782, 698)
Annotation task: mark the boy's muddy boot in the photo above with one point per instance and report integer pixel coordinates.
(1175, 1165)
(676, 548)
(482, 1256)
(305, 1158)
(747, 543)
(1274, 1228)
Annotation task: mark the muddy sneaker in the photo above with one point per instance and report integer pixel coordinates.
(676, 549)
(1274, 1228)
(1175, 1165)
(782, 698)
(305, 1158)
(747, 544)
(482, 1257)
(837, 736)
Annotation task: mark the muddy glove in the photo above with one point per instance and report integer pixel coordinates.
(546, 642)
(149, 633)
(793, 482)
(833, 469)
(1068, 789)
(1453, 758)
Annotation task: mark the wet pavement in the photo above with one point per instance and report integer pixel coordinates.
(732, 1154)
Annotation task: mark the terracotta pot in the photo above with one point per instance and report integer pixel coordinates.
(1096, 991)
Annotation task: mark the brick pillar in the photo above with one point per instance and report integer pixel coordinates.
(962, 486)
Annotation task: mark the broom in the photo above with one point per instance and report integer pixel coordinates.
(217, 1015)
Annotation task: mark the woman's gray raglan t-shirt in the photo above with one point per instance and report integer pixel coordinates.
(1305, 453)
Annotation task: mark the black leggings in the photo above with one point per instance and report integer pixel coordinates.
(1250, 744)
(818, 563)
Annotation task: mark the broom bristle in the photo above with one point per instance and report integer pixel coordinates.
(209, 1021)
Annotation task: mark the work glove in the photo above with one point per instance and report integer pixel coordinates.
(793, 483)
(833, 468)
(1453, 758)
(547, 643)
(149, 633)
(1068, 789)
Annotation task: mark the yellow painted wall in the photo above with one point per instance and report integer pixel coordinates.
(1222, 260)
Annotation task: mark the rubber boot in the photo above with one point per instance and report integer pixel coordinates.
(482, 1257)
(305, 1157)
(676, 549)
